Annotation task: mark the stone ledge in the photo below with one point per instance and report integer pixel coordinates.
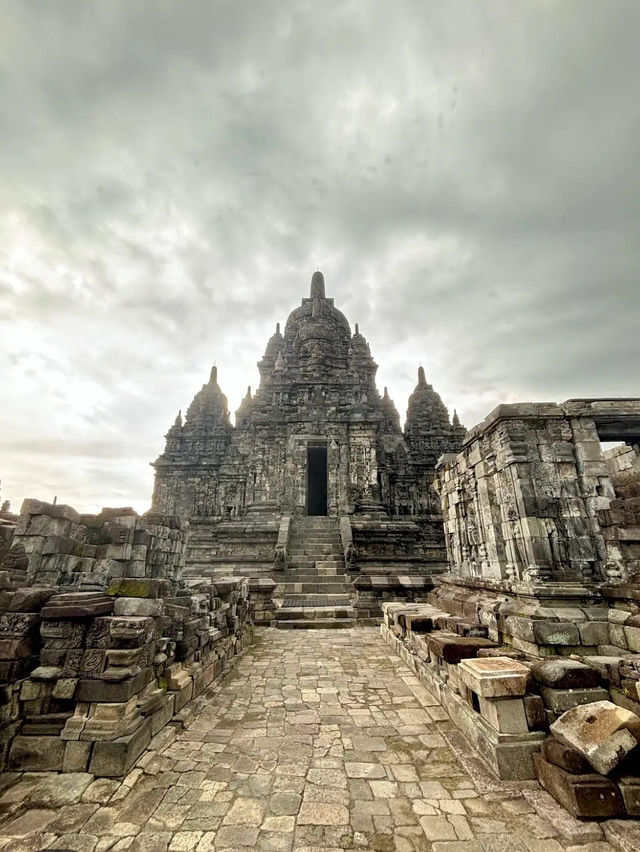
(509, 756)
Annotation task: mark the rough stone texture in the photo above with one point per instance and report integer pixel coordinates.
(531, 498)
(55, 545)
(584, 796)
(328, 744)
(602, 733)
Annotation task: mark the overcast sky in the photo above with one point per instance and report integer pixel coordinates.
(465, 174)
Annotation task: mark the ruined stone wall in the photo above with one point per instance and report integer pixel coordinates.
(522, 502)
(621, 521)
(101, 642)
(55, 545)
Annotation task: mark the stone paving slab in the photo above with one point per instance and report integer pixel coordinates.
(320, 740)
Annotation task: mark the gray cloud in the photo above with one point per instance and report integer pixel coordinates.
(465, 174)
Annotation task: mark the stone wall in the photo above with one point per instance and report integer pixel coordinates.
(543, 540)
(621, 520)
(565, 721)
(101, 642)
(64, 547)
(523, 501)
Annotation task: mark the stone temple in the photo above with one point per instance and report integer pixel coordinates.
(316, 449)
(489, 582)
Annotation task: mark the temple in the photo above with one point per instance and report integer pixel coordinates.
(316, 440)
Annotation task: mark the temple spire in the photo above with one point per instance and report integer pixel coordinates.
(456, 419)
(178, 420)
(422, 381)
(213, 378)
(317, 285)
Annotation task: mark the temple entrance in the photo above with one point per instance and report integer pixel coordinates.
(316, 481)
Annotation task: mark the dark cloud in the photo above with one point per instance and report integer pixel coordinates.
(171, 174)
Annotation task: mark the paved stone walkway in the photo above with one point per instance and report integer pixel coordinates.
(317, 740)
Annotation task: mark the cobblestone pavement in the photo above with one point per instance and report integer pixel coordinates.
(317, 740)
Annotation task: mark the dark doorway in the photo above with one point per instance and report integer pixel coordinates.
(317, 481)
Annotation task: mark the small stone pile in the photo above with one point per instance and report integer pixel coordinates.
(507, 704)
(110, 645)
(590, 761)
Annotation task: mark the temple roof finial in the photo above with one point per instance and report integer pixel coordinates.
(277, 328)
(422, 381)
(178, 420)
(456, 419)
(317, 285)
(213, 378)
(357, 329)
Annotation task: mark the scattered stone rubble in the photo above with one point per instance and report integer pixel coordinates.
(102, 644)
(531, 641)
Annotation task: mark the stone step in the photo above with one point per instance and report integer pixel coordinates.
(317, 624)
(313, 588)
(310, 550)
(306, 576)
(312, 613)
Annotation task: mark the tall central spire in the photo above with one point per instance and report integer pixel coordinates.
(317, 285)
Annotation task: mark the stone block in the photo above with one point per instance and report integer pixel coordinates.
(505, 715)
(76, 756)
(629, 786)
(36, 754)
(617, 636)
(632, 636)
(202, 679)
(565, 674)
(134, 587)
(567, 758)
(602, 733)
(555, 632)
(183, 695)
(561, 700)
(115, 758)
(138, 606)
(588, 796)
(494, 677)
(77, 605)
(594, 632)
(535, 712)
(101, 691)
(31, 599)
(163, 714)
(452, 648)
(15, 648)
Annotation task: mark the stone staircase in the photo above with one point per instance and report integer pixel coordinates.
(316, 591)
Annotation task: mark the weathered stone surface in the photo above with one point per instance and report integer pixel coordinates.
(567, 758)
(560, 700)
(495, 677)
(36, 754)
(602, 733)
(565, 674)
(453, 648)
(588, 796)
(137, 606)
(116, 757)
(58, 790)
(629, 786)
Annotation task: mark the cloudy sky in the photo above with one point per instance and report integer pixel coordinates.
(466, 174)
